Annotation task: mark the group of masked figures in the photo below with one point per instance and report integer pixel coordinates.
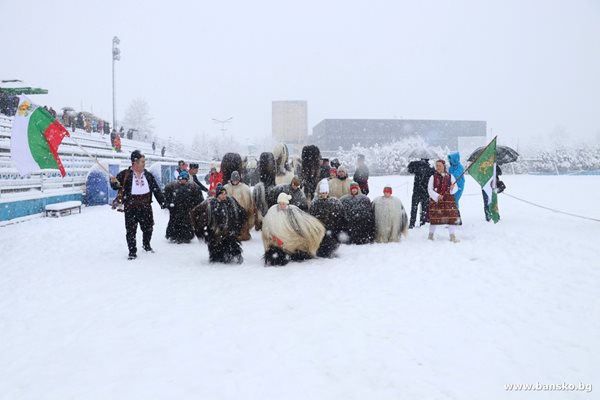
(297, 217)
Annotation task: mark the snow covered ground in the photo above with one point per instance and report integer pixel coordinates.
(513, 303)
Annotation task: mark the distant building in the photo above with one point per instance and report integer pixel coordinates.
(290, 121)
(330, 134)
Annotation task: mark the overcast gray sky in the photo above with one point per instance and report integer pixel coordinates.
(528, 68)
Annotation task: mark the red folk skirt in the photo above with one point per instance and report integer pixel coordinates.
(444, 211)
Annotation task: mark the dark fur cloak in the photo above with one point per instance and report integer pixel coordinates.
(361, 218)
(219, 223)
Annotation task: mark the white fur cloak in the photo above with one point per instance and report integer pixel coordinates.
(390, 219)
(292, 230)
(242, 193)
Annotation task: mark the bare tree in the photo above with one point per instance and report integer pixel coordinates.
(138, 117)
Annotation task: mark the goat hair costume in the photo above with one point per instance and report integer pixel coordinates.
(290, 234)
(391, 219)
(218, 223)
(361, 219)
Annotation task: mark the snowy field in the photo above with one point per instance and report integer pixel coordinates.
(512, 303)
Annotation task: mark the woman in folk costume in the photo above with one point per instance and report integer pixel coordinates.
(243, 195)
(442, 206)
(330, 212)
(289, 233)
(390, 217)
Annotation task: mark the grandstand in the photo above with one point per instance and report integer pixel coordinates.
(22, 196)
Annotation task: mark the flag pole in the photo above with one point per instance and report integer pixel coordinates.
(91, 156)
(478, 157)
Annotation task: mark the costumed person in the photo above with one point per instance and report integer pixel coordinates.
(361, 174)
(456, 169)
(195, 181)
(311, 159)
(180, 197)
(289, 233)
(230, 162)
(442, 206)
(361, 219)
(136, 185)
(391, 220)
(218, 221)
(332, 215)
(298, 198)
(266, 171)
(284, 172)
(340, 185)
(423, 172)
(243, 195)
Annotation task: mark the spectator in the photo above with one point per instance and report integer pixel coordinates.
(181, 166)
(361, 175)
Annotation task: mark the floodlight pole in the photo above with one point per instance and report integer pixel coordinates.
(222, 122)
(116, 56)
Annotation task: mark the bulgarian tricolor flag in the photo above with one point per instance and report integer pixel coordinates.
(483, 170)
(35, 138)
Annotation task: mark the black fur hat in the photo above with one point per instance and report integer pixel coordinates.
(136, 155)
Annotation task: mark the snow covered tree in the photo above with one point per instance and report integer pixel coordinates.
(138, 117)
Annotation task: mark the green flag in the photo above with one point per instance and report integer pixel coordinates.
(483, 170)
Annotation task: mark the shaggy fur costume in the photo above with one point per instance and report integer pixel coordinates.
(284, 172)
(180, 199)
(361, 219)
(332, 215)
(390, 219)
(218, 223)
(298, 199)
(295, 233)
(311, 159)
(243, 195)
(266, 171)
(231, 162)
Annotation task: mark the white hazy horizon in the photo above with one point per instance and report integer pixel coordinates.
(529, 69)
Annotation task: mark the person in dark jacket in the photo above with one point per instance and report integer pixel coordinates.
(361, 175)
(324, 169)
(500, 188)
(181, 197)
(194, 179)
(136, 186)
(422, 171)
